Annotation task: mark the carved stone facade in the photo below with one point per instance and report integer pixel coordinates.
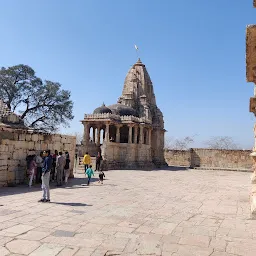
(251, 77)
(130, 134)
(8, 118)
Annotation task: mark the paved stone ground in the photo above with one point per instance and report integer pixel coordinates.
(164, 213)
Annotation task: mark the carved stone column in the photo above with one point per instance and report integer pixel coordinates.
(149, 136)
(118, 133)
(86, 134)
(130, 134)
(141, 134)
(135, 139)
(107, 133)
(98, 136)
(93, 135)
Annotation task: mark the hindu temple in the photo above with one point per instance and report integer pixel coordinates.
(130, 133)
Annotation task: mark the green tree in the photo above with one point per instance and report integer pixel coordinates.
(42, 105)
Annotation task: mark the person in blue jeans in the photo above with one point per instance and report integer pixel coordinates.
(46, 170)
(89, 172)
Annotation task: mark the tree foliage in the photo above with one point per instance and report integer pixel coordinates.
(43, 105)
(221, 142)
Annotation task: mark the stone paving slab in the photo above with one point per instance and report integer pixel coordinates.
(177, 213)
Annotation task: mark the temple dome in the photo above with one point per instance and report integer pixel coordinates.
(122, 110)
(102, 110)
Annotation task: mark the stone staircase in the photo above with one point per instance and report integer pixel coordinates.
(80, 167)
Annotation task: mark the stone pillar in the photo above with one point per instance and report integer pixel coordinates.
(98, 136)
(93, 135)
(118, 133)
(107, 133)
(149, 136)
(86, 133)
(141, 134)
(130, 134)
(135, 139)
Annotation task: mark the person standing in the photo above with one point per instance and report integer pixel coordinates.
(46, 171)
(53, 170)
(60, 164)
(67, 167)
(39, 163)
(89, 173)
(32, 170)
(86, 161)
(98, 161)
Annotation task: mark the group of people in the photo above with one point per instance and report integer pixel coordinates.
(48, 167)
(88, 167)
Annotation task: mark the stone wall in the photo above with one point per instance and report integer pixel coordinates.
(210, 158)
(127, 156)
(16, 144)
(177, 157)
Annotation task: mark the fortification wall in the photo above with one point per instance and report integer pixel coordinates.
(16, 144)
(210, 158)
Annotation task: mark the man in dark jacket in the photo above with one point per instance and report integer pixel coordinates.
(46, 171)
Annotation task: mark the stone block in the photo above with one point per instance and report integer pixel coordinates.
(22, 137)
(57, 138)
(3, 148)
(22, 246)
(31, 145)
(35, 137)
(28, 137)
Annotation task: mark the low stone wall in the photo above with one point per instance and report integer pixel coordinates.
(16, 144)
(177, 157)
(210, 158)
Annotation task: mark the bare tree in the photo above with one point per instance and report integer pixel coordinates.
(178, 144)
(221, 142)
(79, 137)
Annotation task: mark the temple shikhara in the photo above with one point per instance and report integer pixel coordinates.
(129, 134)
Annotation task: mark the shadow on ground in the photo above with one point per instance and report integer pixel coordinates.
(23, 188)
(71, 204)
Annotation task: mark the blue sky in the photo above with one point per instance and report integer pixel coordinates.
(194, 52)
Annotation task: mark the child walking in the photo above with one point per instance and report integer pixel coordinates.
(89, 173)
(101, 175)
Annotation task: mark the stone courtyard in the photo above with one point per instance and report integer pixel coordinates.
(168, 212)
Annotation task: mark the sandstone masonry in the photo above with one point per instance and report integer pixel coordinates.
(16, 144)
(210, 158)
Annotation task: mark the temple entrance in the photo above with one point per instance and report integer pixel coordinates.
(112, 133)
(124, 134)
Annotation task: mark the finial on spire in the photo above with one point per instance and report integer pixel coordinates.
(137, 49)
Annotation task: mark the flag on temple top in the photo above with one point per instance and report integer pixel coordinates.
(136, 47)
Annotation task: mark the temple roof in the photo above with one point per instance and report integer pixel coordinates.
(102, 110)
(138, 83)
(122, 110)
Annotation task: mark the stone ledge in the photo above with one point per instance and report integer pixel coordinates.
(222, 169)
